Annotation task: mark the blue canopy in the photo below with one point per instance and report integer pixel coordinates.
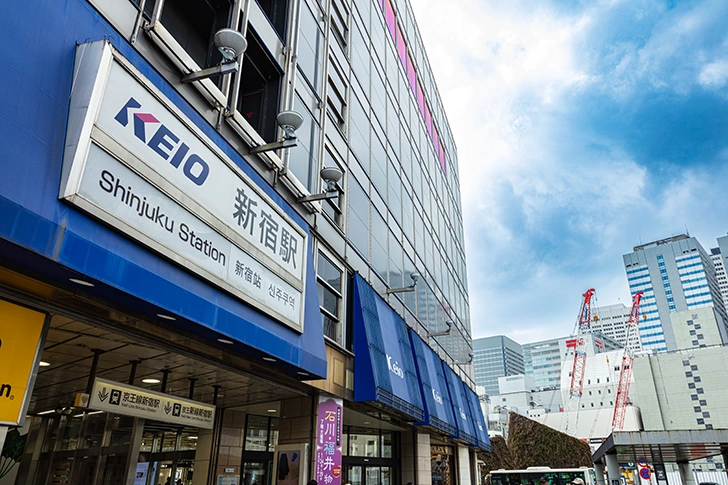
(438, 408)
(476, 411)
(384, 368)
(460, 407)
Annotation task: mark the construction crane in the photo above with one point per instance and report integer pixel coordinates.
(584, 323)
(625, 374)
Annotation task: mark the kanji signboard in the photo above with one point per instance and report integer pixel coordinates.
(328, 441)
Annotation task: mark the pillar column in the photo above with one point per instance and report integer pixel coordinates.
(613, 470)
(464, 465)
(599, 470)
(423, 463)
(686, 473)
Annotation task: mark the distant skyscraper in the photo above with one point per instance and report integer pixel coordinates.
(495, 357)
(717, 254)
(545, 360)
(682, 301)
(611, 322)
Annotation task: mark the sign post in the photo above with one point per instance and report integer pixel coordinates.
(21, 337)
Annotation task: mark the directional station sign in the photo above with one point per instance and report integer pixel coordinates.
(114, 397)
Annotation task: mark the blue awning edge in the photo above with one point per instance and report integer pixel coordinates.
(435, 396)
(460, 407)
(384, 367)
(476, 411)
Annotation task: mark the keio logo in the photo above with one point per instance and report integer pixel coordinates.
(437, 396)
(164, 143)
(394, 367)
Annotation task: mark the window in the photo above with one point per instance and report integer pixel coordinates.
(260, 85)
(193, 23)
(304, 160)
(337, 94)
(330, 290)
(277, 13)
(340, 21)
(310, 47)
(358, 218)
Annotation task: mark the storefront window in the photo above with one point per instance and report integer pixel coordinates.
(387, 445)
(256, 434)
(369, 443)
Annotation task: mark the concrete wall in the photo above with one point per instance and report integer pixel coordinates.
(689, 390)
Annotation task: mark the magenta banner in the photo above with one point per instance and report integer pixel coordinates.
(328, 441)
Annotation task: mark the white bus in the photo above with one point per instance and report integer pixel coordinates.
(532, 476)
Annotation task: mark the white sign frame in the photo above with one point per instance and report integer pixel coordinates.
(105, 392)
(97, 65)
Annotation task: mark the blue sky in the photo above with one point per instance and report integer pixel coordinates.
(583, 129)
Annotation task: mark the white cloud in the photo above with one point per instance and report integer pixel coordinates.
(714, 74)
(550, 207)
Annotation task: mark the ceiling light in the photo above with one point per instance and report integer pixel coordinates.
(192, 437)
(50, 411)
(272, 410)
(367, 422)
(166, 317)
(80, 282)
(151, 381)
(43, 364)
(269, 359)
(302, 373)
(225, 341)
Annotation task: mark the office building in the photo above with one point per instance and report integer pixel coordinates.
(611, 321)
(207, 302)
(682, 303)
(717, 255)
(545, 360)
(495, 357)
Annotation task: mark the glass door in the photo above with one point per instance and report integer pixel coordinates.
(368, 475)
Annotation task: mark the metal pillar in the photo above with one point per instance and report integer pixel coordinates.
(92, 372)
(165, 376)
(134, 364)
(613, 470)
(686, 473)
(599, 470)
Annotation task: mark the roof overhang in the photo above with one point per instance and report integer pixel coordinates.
(675, 446)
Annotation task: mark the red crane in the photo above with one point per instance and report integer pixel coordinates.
(625, 374)
(577, 372)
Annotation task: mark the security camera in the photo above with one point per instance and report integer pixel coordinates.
(290, 121)
(230, 43)
(415, 278)
(449, 324)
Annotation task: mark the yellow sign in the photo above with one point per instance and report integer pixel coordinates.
(21, 330)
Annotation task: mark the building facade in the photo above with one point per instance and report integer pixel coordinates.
(542, 360)
(496, 357)
(612, 321)
(209, 308)
(677, 277)
(717, 255)
(547, 360)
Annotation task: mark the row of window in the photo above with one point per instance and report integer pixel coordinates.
(417, 203)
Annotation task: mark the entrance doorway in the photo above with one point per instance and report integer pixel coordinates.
(369, 475)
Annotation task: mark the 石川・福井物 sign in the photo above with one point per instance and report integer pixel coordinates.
(114, 397)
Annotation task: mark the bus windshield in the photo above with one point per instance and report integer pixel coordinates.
(532, 477)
